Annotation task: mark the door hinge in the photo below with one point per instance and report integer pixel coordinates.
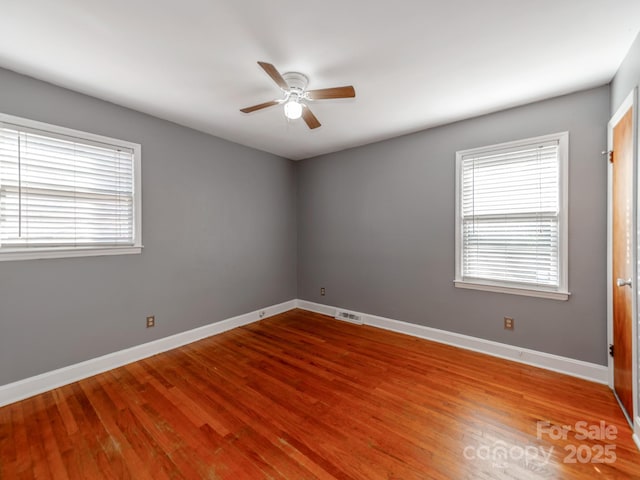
(609, 154)
(611, 350)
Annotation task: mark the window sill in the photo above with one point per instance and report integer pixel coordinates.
(529, 292)
(35, 253)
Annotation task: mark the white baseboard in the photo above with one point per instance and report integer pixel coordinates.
(31, 386)
(568, 366)
(317, 308)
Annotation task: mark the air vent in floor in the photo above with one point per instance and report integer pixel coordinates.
(349, 317)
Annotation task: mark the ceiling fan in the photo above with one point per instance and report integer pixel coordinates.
(296, 95)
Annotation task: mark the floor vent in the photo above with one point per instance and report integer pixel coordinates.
(349, 317)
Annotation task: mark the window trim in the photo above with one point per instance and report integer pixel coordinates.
(10, 254)
(562, 292)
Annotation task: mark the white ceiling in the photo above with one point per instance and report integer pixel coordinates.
(414, 64)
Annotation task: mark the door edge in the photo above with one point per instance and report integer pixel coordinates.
(631, 101)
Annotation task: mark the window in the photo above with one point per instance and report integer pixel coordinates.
(511, 217)
(66, 193)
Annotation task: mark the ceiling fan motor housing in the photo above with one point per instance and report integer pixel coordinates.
(297, 82)
(294, 88)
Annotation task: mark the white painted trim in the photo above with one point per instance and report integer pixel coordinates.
(28, 387)
(562, 292)
(548, 361)
(316, 308)
(609, 254)
(93, 139)
(631, 101)
(636, 434)
(36, 254)
(528, 292)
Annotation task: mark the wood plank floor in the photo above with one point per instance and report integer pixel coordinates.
(302, 396)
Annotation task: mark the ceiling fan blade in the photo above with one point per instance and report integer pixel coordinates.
(309, 118)
(260, 106)
(327, 93)
(275, 75)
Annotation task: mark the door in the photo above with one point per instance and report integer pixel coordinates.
(622, 258)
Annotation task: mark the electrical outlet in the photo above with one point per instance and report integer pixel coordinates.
(322, 291)
(151, 321)
(261, 313)
(508, 323)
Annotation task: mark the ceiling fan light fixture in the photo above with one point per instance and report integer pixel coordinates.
(294, 87)
(293, 109)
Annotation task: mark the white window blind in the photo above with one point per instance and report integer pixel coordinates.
(510, 210)
(64, 192)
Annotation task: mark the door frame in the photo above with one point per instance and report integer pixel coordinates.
(630, 101)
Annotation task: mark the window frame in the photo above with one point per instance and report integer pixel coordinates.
(9, 254)
(562, 291)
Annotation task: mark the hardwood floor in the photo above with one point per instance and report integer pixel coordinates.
(303, 396)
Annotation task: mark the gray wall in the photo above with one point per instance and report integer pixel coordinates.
(376, 229)
(218, 229)
(625, 80)
(627, 77)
